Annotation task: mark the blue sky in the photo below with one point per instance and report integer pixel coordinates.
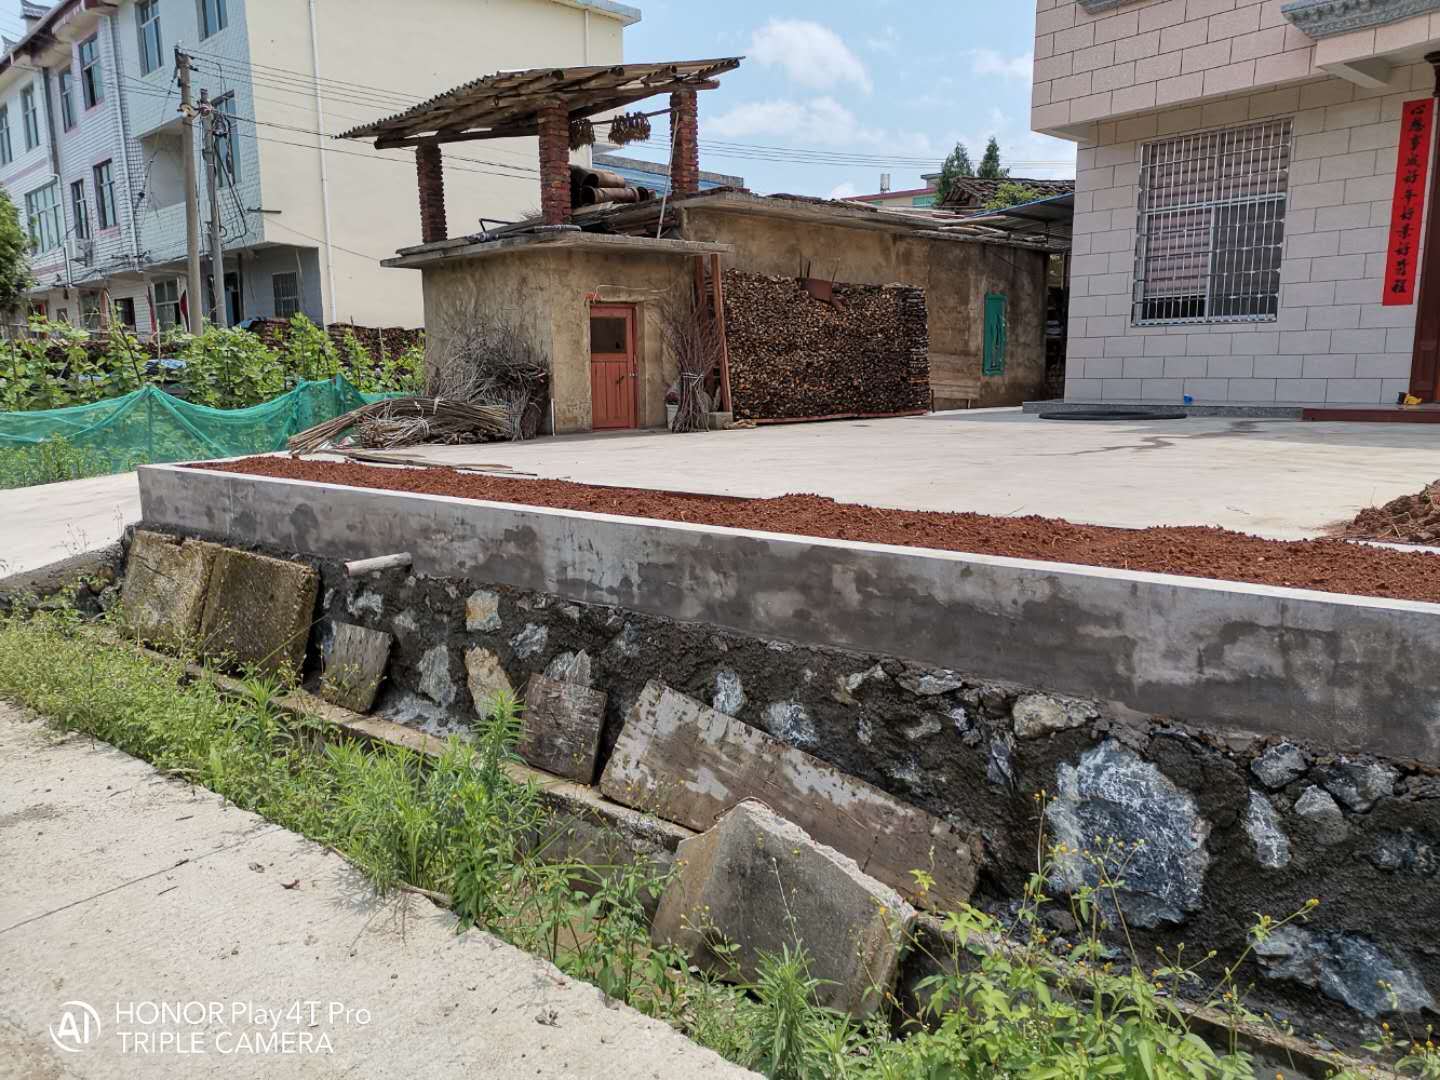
(855, 88)
(833, 94)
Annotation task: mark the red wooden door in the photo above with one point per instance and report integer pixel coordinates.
(613, 376)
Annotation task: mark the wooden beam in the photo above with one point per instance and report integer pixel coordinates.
(715, 272)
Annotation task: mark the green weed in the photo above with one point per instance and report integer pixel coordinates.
(1005, 1002)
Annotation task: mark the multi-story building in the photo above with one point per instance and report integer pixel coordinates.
(1250, 190)
(91, 137)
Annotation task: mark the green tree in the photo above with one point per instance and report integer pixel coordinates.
(990, 164)
(956, 165)
(14, 248)
(1012, 194)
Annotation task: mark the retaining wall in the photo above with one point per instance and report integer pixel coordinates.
(1349, 673)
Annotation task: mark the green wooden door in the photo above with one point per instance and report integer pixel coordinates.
(995, 335)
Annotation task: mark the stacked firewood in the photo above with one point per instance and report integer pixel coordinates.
(795, 356)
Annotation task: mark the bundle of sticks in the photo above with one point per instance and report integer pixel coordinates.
(405, 422)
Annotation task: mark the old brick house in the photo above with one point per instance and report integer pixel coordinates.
(986, 291)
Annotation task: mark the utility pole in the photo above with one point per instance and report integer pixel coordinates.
(219, 316)
(193, 290)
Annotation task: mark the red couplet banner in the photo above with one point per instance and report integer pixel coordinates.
(1407, 213)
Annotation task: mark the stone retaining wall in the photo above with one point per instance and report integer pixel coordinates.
(1348, 672)
(1231, 825)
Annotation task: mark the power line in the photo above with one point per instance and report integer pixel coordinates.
(450, 161)
(286, 80)
(308, 95)
(307, 236)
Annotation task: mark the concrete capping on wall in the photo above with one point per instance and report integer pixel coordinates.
(1326, 18)
(1345, 672)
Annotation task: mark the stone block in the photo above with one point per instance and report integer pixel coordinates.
(166, 582)
(258, 610)
(761, 883)
(486, 678)
(356, 667)
(689, 764)
(482, 611)
(563, 721)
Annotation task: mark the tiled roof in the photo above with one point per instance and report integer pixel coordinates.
(971, 192)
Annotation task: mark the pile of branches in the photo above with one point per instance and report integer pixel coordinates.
(1410, 519)
(692, 336)
(484, 359)
(404, 422)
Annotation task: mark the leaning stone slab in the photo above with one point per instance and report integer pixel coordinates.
(562, 728)
(761, 883)
(166, 581)
(259, 610)
(356, 666)
(689, 764)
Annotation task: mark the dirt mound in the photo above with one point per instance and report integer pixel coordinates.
(1410, 519)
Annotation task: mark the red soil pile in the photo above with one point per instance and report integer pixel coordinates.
(1329, 565)
(1410, 519)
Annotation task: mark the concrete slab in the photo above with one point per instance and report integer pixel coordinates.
(258, 610)
(166, 581)
(124, 887)
(761, 883)
(1275, 478)
(40, 525)
(687, 763)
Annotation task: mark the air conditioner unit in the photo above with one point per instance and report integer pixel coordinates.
(81, 251)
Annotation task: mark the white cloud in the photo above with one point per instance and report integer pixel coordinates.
(844, 191)
(820, 121)
(811, 55)
(990, 62)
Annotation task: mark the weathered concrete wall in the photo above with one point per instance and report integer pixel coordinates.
(1351, 673)
(955, 276)
(1232, 824)
(546, 293)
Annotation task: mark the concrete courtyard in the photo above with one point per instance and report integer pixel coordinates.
(1276, 478)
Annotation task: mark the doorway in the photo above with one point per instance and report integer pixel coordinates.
(614, 379)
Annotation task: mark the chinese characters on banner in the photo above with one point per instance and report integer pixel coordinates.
(1402, 264)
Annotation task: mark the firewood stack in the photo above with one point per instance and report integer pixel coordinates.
(793, 356)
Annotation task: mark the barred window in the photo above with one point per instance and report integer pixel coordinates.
(286, 289)
(1212, 225)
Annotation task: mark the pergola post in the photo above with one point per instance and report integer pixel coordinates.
(554, 131)
(432, 193)
(685, 136)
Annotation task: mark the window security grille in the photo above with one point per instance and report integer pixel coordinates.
(286, 290)
(1212, 225)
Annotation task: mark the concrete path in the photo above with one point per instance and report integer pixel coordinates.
(1282, 479)
(40, 525)
(123, 891)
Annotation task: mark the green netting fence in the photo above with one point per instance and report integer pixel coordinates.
(150, 426)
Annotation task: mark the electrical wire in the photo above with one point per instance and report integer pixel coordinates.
(316, 239)
(449, 161)
(286, 80)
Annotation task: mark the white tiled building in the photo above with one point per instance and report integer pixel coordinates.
(90, 143)
(1235, 184)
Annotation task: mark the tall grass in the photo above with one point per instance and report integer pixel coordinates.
(1005, 1001)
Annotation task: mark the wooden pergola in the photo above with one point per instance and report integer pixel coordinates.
(544, 102)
